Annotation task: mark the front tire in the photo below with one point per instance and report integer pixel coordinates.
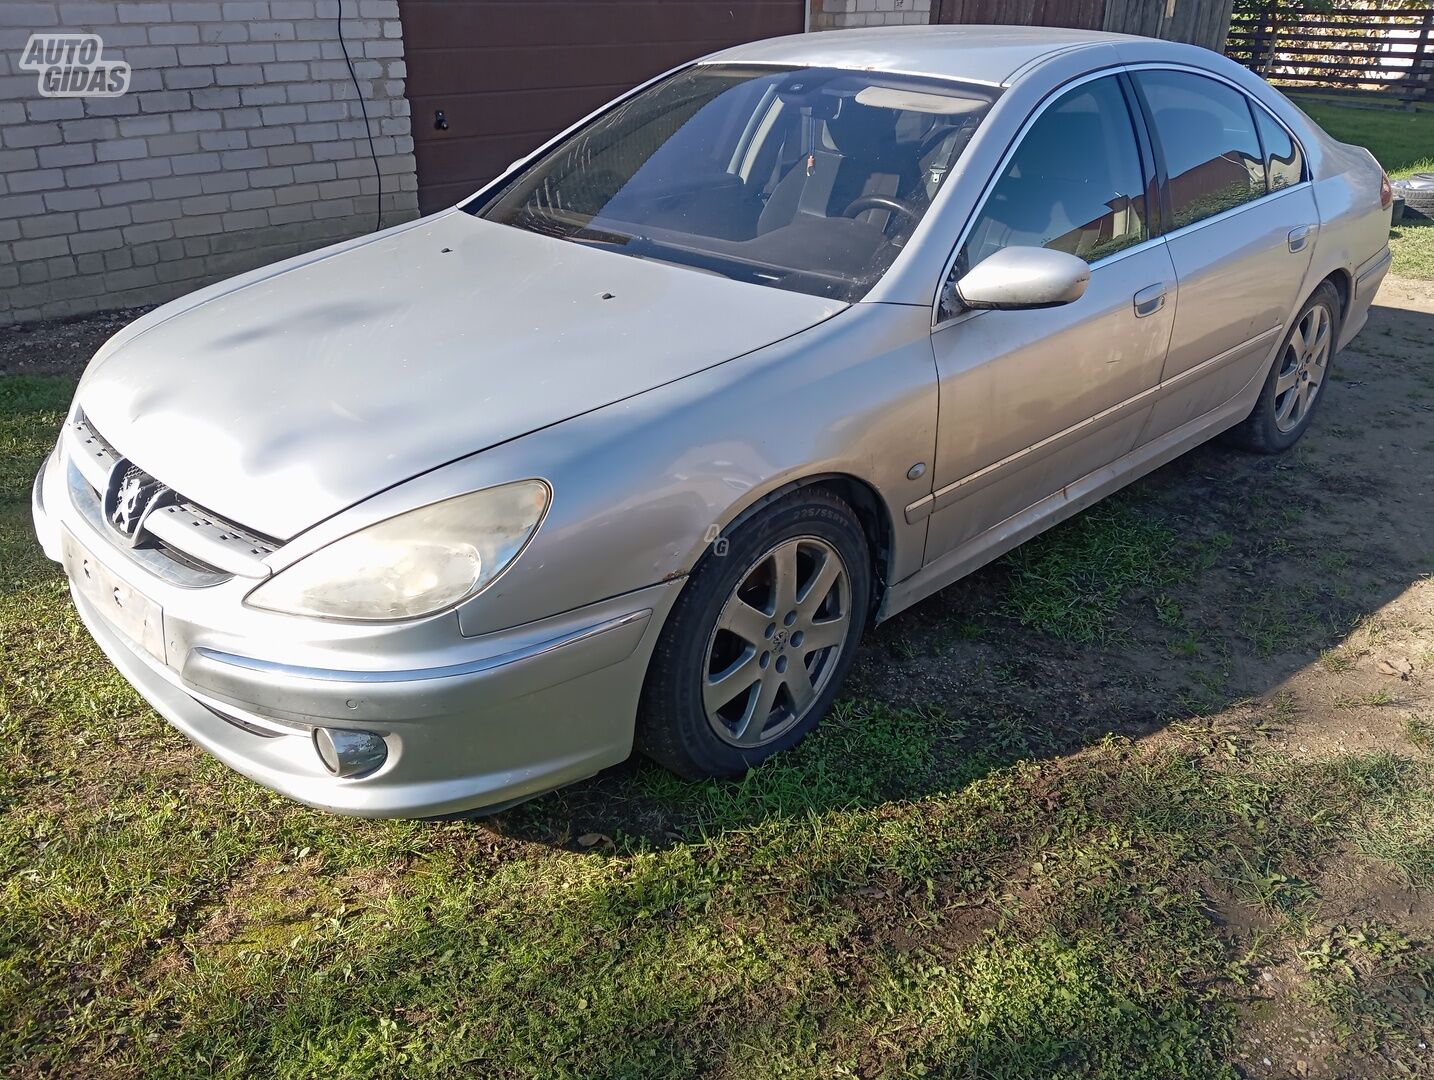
(1297, 379)
(759, 642)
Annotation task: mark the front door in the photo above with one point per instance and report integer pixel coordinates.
(1032, 401)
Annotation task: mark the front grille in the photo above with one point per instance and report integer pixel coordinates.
(177, 539)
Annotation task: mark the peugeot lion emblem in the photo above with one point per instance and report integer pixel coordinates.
(129, 497)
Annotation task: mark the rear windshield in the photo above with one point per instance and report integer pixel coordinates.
(809, 179)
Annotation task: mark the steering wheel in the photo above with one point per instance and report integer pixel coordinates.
(863, 203)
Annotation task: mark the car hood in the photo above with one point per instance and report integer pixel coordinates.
(303, 389)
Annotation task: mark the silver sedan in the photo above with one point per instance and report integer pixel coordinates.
(630, 447)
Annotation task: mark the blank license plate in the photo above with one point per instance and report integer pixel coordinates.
(134, 615)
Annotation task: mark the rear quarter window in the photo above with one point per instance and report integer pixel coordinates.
(1207, 135)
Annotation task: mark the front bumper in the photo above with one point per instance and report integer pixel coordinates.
(468, 723)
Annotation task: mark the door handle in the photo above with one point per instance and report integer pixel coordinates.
(1299, 237)
(1149, 300)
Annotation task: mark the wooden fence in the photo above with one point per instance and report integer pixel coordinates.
(1350, 51)
(1200, 22)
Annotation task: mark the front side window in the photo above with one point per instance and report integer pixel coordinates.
(809, 179)
(1074, 184)
(1212, 154)
(1284, 164)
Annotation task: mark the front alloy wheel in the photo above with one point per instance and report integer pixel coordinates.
(777, 642)
(757, 644)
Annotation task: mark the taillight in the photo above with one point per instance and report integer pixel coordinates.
(1386, 193)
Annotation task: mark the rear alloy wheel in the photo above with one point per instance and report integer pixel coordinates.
(759, 641)
(1297, 379)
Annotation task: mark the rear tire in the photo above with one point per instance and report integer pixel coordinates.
(1297, 379)
(760, 640)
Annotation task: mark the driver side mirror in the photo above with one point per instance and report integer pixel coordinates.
(1022, 278)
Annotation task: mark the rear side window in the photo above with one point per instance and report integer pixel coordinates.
(1074, 183)
(1208, 137)
(1284, 164)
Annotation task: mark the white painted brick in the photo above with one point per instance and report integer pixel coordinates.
(121, 149)
(262, 95)
(153, 230)
(173, 34)
(55, 157)
(223, 140)
(36, 180)
(204, 55)
(97, 241)
(31, 135)
(225, 182)
(153, 56)
(223, 32)
(111, 217)
(145, 168)
(17, 206)
(156, 210)
(216, 98)
(199, 120)
(185, 12)
(177, 187)
(29, 15)
(244, 159)
(88, 175)
(246, 10)
(43, 109)
(170, 145)
(252, 200)
(251, 54)
(240, 75)
(45, 248)
(144, 125)
(132, 191)
(188, 78)
(164, 101)
(241, 141)
(58, 224)
(186, 164)
(78, 199)
(270, 136)
(272, 31)
(16, 160)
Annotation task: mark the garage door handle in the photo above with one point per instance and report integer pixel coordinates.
(1149, 300)
(1300, 237)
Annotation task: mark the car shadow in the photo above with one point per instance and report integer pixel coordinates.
(1236, 572)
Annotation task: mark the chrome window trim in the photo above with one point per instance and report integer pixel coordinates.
(938, 323)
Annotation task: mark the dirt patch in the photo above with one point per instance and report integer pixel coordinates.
(62, 346)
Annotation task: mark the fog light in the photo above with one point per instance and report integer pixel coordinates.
(349, 753)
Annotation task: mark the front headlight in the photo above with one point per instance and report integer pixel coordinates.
(414, 564)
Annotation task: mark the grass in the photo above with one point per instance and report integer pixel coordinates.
(1403, 142)
(1070, 581)
(910, 892)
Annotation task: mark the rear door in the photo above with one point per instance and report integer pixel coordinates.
(1032, 401)
(1243, 225)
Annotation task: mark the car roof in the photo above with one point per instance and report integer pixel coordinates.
(982, 54)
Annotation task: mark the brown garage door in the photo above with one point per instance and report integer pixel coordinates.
(508, 75)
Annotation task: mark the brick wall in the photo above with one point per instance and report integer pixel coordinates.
(241, 141)
(836, 14)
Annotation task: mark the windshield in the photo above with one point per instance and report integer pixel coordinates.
(807, 179)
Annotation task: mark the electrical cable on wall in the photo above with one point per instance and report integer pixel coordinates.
(368, 127)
